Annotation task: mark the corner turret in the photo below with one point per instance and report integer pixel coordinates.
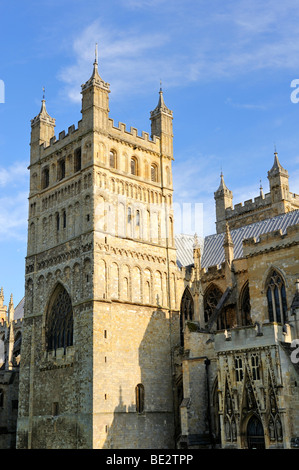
(224, 199)
(11, 309)
(95, 101)
(279, 181)
(42, 130)
(3, 308)
(161, 125)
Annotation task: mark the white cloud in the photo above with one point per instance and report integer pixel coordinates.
(123, 53)
(229, 40)
(13, 174)
(252, 106)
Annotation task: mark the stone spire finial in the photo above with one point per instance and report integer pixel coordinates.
(95, 78)
(1, 297)
(43, 114)
(276, 168)
(11, 309)
(161, 106)
(227, 238)
(196, 256)
(96, 55)
(228, 245)
(222, 185)
(261, 189)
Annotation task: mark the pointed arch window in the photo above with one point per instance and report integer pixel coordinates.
(59, 321)
(45, 178)
(61, 170)
(211, 299)
(77, 162)
(139, 391)
(276, 296)
(186, 311)
(245, 306)
(239, 369)
(255, 367)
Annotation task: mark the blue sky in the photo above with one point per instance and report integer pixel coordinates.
(226, 70)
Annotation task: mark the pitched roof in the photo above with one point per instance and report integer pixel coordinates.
(213, 252)
(212, 245)
(184, 249)
(19, 310)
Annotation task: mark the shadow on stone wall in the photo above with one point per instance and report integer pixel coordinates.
(154, 426)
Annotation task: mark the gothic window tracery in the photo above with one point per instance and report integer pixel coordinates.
(274, 422)
(211, 299)
(276, 296)
(239, 369)
(230, 426)
(255, 367)
(59, 322)
(245, 306)
(186, 311)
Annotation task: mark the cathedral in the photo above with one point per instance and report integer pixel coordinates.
(131, 336)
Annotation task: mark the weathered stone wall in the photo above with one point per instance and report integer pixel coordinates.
(104, 231)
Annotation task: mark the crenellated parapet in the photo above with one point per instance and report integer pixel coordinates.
(249, 205)
(63, 139)
(212, 272)
(120, 131)
(278, 201)
(18, 323)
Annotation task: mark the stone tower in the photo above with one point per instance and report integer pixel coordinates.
(223, 200)
(278, 201)
(279, 184)
(100, 314)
